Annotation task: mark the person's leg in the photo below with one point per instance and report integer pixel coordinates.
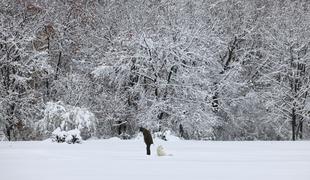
(148, 149)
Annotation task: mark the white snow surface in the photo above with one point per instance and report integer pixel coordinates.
(115, 159)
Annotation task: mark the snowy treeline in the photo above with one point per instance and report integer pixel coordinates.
(204, 69)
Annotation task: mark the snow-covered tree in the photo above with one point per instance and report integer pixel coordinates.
(66, 117)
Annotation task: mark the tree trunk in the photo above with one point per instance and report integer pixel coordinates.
(58, 66)
(293, 124)
(8, 131)
(300, 130)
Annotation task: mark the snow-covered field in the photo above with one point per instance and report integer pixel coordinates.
(126, 160)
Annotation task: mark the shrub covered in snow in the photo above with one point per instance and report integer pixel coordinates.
(166, 136)
(124, 136)
(73, 136)
(70, 137)
(58, 135)
(57, 114)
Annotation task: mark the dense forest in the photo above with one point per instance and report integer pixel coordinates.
(203, 69)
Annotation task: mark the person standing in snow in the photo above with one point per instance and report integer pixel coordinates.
(148, 140)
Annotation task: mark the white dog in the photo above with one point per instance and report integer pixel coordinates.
(161, 151)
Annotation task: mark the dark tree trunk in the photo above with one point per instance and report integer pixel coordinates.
(293, 124)
(58, 66)
(8, 131)
(47, 89)
(181, 130)
(300, 130)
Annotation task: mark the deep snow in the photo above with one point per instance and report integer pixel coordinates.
(126, 160)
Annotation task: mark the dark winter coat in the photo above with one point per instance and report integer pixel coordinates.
(147, 136)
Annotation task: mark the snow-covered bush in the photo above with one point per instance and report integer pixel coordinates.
(161, 135)
(70, 137)
(166, 136)
(124, 136)
(65, 117)
(58, 135)
(73, 136)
